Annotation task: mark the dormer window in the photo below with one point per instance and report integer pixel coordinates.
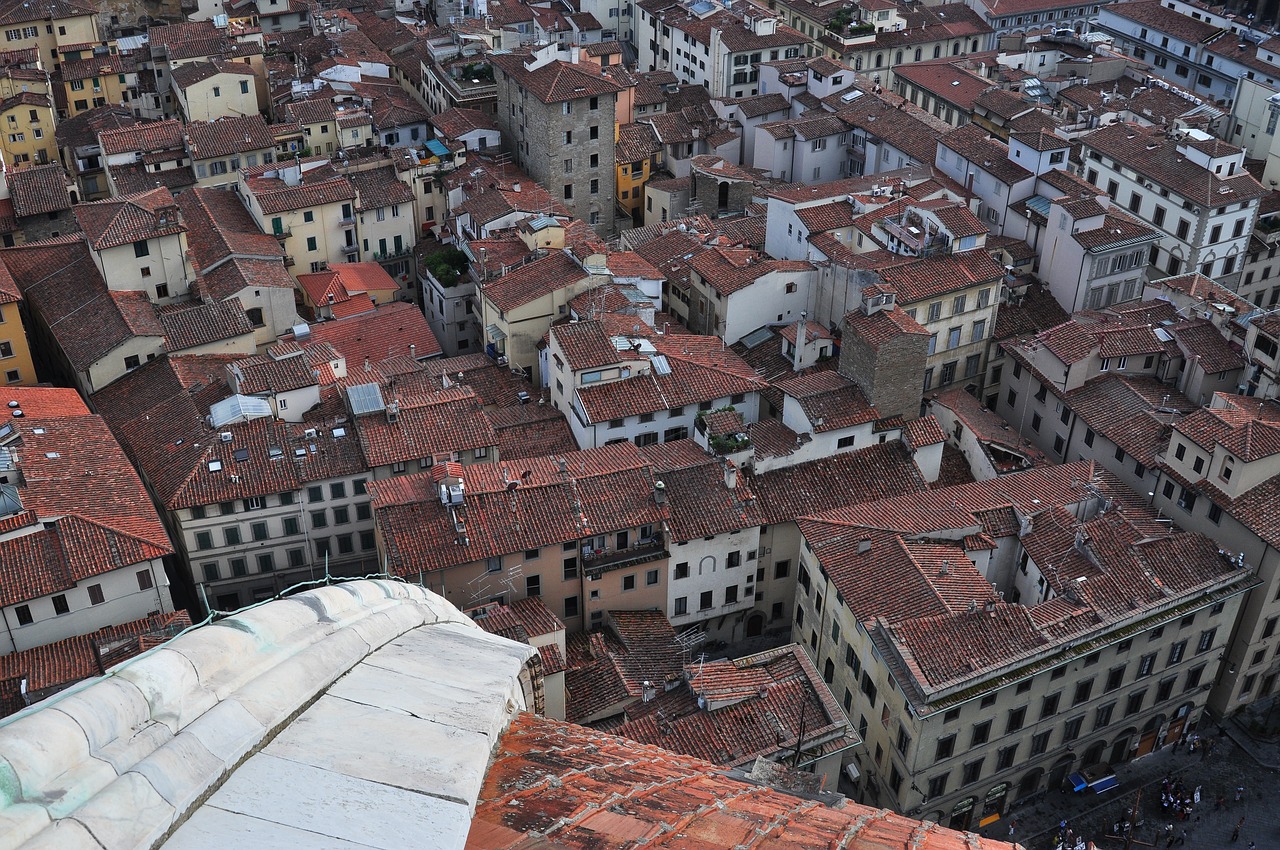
(1228, 468)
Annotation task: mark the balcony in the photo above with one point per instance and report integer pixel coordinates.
(393, 254)
(288, 260)
(282, 233)
(1268, 230)
(350, 249)
(347, 221)
(915, 235)
(596, 562)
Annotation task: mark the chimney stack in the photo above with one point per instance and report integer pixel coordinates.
(730, 475)
(798, 355)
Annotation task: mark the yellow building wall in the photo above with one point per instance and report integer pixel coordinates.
(103, 90)
(46, 36)
(14, 335)
(25, 141)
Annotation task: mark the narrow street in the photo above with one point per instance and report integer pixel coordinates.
(1218, 775)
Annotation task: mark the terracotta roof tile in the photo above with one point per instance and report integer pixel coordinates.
(533, 280)
(129, 218)
(546, 781)
(598, 491)
(150, 136)
(190, 327)
(389, 331)
(38, 190)
(226, 136)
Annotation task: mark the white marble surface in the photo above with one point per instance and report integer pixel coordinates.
(361, 716)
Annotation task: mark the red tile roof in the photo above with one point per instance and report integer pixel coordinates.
(533, 280)
(193, 326)
(318, 186)
(129, 218)
(727, 270)
(701, 369)
(63, 287)
(700, 501)
(938, 599)
(151, 136)
(379, 187)
(830, 401)
(936, 276)
(219, 226)
(52, 667)
(733, 712)
(456, 122)
(159, 412)
(546, 785)
(557, 81)
(38, 190)
(428, 425)
(390, 331)
(229, 135)
(559, 500)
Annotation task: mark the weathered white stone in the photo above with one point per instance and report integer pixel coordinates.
(49, 756)
(411, 753)
(60, 835)
(107, 710)
(286, 792)
(228, 731)
(210, 827)
(284, 688)
(169, 682)
(224, 658)
(19, 821)
(386, 625)
(287, 626)
(126, 815)
(181, 771)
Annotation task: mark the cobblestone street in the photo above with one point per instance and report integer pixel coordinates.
(1093, 818)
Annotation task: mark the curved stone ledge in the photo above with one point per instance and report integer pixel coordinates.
(124, 761)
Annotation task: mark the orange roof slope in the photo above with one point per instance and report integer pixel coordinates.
(560, 785)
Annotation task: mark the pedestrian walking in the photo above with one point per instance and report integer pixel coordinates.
(1013, 827)
(1235, 833)
(1240, 793)
(1182, 839)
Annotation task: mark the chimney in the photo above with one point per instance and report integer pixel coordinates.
(413, 351)
(798, 355)
(730, 475)
(649, 691)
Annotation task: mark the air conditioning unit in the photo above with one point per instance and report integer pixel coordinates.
(224, 436)
(310, 433)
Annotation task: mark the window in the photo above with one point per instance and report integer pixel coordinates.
(730, 594)
(1134, 703)
(1049, 705)
(1005, 757)
(204, 540)
(311, 243)
(1206, 640)
(1114, 679)
(651, 578)
(1146, 664)
(1176, 652)
(494, 564)
(1102, 717)
(60, 605)
(681, 605)
(24, 615)
(705, 601)
(946, 747)
(629, 582)
(1083, 690)
(1017, 716)
(571, 606)
(210, 572)
(981, 734)
(780, 570)
(972, 771)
